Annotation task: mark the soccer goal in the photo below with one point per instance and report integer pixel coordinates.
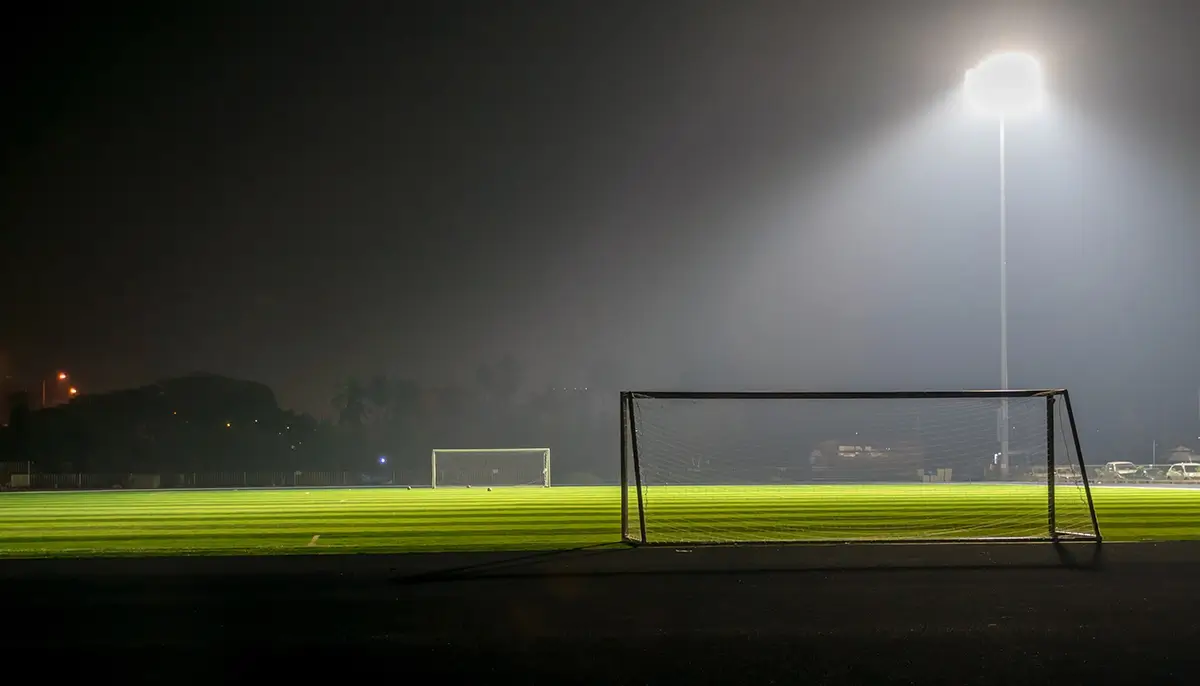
(490, 467)
(852, 467)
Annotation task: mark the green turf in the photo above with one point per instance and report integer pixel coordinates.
(393, 520)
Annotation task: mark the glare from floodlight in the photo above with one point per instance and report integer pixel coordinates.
(1005, 84)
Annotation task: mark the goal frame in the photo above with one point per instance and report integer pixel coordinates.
(433, 480)
(631, 459)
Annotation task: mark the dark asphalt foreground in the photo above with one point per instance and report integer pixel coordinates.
(973, 614)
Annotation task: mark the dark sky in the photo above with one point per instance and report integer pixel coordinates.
(718, 193)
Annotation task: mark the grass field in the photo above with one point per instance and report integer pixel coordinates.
(400, 520)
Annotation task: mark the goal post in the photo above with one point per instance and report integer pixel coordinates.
(888, 466)
(490, 467)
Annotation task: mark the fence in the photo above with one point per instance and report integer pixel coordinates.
(14, 476)
(37, 481)
(1128, 473)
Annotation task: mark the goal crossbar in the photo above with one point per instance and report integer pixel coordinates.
(543, 480)
(843, 395)
(1054, 453)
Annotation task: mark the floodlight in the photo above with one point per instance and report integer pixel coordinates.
(1005, 84)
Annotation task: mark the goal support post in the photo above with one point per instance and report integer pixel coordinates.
(630, 461)
(489, 467)
(888, 466)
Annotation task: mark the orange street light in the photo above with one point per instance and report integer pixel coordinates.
(60, 376)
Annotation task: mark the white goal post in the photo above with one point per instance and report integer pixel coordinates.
(490, 467)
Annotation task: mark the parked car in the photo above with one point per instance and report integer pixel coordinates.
(1154, 472)
(1118, 471)
(1066, 473)
(1184, 471)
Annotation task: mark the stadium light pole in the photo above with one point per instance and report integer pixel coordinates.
(1004, 85)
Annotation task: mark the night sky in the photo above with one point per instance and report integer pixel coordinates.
(742, 194)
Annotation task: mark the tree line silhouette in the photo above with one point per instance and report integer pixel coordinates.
(211, 423)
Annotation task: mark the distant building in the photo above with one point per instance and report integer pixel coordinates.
(1182, 453)
(859, 451)
(867, 461)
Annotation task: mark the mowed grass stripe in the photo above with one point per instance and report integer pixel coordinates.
(281, 521)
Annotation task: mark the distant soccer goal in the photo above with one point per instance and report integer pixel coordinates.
(490, 467)
(889, 466)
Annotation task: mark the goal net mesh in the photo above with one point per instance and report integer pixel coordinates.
(751, 469)
(496, 467)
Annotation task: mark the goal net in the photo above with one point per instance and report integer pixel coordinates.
(490, 467)
(914, 466)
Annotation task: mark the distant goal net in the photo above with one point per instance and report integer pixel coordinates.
(890, 466)
(490, 467)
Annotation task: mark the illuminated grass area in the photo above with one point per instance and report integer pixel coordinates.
(401, 520)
